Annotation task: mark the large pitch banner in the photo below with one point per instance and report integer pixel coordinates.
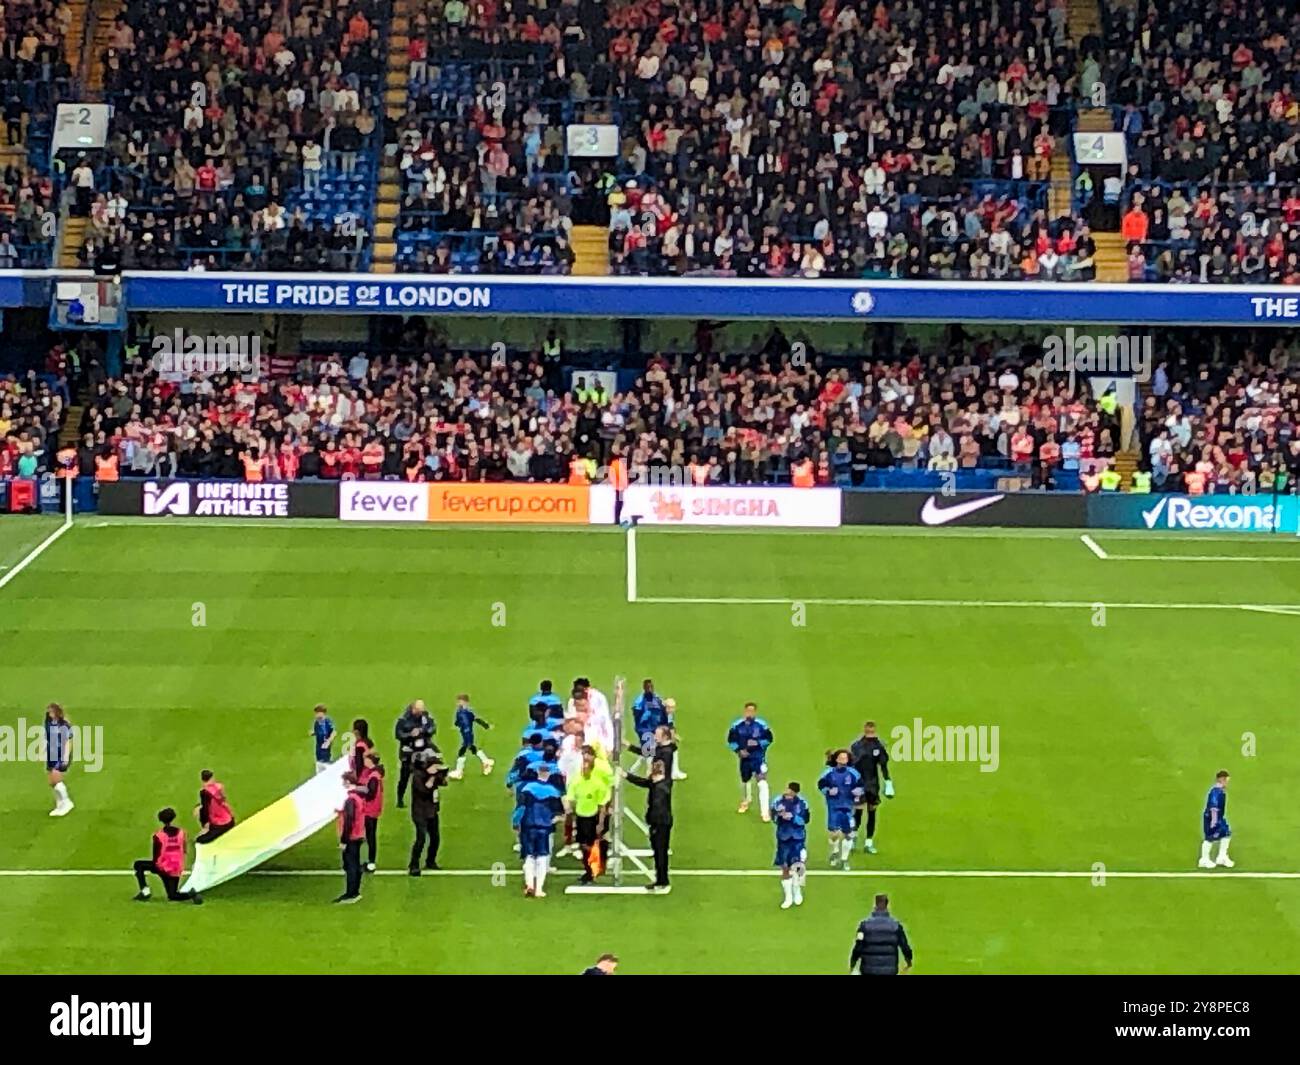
(302, 813)
(756, 506)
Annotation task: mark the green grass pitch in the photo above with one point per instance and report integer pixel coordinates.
(1111, 724)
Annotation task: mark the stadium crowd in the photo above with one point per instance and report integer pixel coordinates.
(32, 412)
(1229, 429)
(33, 74)
(462, 418)
(913, 141)
(1208, 97)
(27, 220)
(909, 139)
(764, 418)
(242, 136)
(33, 66)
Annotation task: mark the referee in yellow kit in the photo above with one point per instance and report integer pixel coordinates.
(587, 796)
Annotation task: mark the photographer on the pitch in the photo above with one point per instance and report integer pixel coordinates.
(428, 775)
(414, 732)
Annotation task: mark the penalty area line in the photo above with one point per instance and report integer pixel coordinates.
(1044, 604)
(934, 874)
(1205, 558)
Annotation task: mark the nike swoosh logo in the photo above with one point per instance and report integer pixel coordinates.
(1153, 515)
(933, 514)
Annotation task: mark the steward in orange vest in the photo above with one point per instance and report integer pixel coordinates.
(167, 863)
(577, 469)
(618, 473)
(106, 466)
(801, 473)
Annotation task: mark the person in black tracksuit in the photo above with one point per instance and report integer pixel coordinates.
(879, 942)
(658, 816)
(869, 756)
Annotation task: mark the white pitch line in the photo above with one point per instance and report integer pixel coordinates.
(1204, 558)
(36, 553)
(1093, 546)
(1046, 604)
(934, 874)
(631, 564)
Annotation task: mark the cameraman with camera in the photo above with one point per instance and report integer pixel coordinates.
(428, 774)
(414, 732)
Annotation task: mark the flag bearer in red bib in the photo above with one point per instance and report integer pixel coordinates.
(370, 786)
(167, 863)
(352, 830)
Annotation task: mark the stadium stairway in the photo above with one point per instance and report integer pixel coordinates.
(1083, 19)
(399, 38)
(1125, 463)
(389, 193)
(590, 251)
(1112, 258)
(1095, 120)
(1060, 196)
(75, 38)
(102, 13)
(71, 423)
(71, 240)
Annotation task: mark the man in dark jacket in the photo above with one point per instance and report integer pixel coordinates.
(658, 816)
(662, 748)
(414, 733)
(879, 942)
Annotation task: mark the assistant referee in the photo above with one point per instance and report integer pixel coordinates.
(879, 942)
